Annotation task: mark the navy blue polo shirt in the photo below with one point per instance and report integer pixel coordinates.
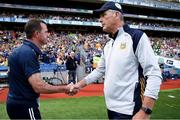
(23, 62)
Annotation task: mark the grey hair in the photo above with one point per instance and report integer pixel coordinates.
(121, 15)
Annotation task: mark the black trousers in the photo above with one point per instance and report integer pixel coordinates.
(118, 116)
(72, 76)
(22, 111)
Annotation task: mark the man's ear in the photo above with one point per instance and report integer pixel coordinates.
(117, 14)
(35, 34)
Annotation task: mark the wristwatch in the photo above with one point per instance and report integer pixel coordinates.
(146, 110)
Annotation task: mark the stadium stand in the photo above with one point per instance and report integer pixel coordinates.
(73, 27)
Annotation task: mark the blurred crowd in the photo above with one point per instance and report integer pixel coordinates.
(58, 47)
(167, 47)
(83, 18)
(85, 45)
(153, 24)
(48, 16)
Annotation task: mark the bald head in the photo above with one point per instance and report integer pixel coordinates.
(72, 54)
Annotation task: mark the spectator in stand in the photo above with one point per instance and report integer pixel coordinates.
(60, 58)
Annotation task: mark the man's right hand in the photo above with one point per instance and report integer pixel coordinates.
(71, 89)
(74, 89)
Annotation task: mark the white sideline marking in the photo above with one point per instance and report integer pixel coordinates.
(171, 96)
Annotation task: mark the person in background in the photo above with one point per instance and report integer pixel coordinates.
(71, 65)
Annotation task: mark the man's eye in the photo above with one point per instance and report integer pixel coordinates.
(102, 15)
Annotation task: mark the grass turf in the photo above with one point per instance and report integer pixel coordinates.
(167, 107)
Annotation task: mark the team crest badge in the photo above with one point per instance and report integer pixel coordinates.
(122, 45)
(118, 6)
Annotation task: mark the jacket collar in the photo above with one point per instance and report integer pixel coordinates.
(120, 31)
(33, 46)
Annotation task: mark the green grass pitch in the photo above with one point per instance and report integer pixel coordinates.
(167, 107)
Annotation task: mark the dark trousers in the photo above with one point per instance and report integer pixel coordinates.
(22, 111)
(118, 116)
(72, 76)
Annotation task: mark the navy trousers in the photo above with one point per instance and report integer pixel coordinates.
(19, 110)
(118, 116)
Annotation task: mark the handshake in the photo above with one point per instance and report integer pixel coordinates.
(72, 89)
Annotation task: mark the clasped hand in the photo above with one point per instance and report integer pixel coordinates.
(72, 89)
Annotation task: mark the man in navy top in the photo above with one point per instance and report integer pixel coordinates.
(25, 84)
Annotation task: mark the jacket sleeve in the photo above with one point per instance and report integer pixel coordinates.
(149, 63)
(96, 73)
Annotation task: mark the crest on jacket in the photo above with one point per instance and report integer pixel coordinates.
(122, 45)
